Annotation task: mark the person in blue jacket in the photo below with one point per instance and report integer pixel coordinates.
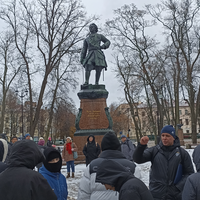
(51, 171)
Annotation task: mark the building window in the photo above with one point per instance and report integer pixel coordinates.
(187, 131)
(180, 121)
(180, 112)
(186, 112)
(186, 121)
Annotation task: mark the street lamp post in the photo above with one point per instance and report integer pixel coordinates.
(22, 94)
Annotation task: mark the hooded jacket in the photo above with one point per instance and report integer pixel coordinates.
(88, 189)
(165, 161)
(19, 181)
(129, 187)
(191, 189)
(91, 150)
(56, 180)
(3, 154)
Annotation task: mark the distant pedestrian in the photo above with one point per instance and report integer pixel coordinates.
(127, 147)
(19, 181)
(3, 154)
(42, 148)
(170, 164)
(116, 177)
(14, 139)
(91, 149)
(67, 155)
(27, 136)
(191, 189)
(49, 142)
(51, 170)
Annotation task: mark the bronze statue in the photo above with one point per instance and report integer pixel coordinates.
(92, 56)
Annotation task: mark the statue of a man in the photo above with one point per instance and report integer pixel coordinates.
(92, 56)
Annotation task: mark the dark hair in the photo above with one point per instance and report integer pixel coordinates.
(93, 24)
(13, 138)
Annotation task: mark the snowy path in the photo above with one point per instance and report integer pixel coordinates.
(73, 183)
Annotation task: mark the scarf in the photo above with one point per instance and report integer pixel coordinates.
(69, 148)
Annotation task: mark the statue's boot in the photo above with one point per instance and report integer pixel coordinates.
(98, 74)
(87, 76)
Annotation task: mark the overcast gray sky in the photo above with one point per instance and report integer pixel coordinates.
(104, 9)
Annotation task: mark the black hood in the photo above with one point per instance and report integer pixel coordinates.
(110, 142)
(25, 153)
(49, 150)
(93, 141)
(112, 173)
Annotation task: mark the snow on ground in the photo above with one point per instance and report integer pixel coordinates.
(73, 183)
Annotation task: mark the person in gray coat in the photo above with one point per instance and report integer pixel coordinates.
(116, 177)
(127, 147)
(170, 165)
(111, 149)
(191, 189)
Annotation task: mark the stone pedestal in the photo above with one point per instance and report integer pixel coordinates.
(180, 136)
(93, 117)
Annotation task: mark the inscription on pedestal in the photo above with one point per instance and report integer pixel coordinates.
(93, 114)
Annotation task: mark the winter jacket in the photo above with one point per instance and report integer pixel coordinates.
(88, 189)
(91, 150)
(127, 149)
(19, 181)
(165, 161)
(116, 175)
(65, 155)
(49, 143)
(191, 189)
(3, 154)
(57, 181)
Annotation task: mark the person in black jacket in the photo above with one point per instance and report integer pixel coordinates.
(170, 165)
(91, 150)
(191, 189)
(116, 177)
(3, 154)
(19, 181)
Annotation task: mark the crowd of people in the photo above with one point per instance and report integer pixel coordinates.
(111, 169)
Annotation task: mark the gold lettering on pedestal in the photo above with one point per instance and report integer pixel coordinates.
(94, 114)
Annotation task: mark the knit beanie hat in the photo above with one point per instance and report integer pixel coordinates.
(169, 129)
(110, 142)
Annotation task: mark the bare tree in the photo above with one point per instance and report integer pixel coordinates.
(180, 20)
(135, 52)
(45, 32)
(9, 69)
